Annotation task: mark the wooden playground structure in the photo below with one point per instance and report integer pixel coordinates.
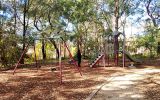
(111, 49)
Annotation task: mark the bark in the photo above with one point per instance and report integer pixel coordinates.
(150, 51)
(64, 52)
(116, 29)
(15, 17)
(150, 13)
(158, 48)
(43, 50)
(85, 37)
(55, 46)
(24, 29)
(116, 14)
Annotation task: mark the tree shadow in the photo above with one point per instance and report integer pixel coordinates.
(27, 84)
(42, 84)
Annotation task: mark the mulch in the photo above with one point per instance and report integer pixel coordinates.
(44, 84)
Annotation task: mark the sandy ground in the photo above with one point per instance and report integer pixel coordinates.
(43, 84)
(135, 84)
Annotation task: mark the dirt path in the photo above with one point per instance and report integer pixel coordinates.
(43, 84)
(138, 84)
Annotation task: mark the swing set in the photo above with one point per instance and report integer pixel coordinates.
(60, 40)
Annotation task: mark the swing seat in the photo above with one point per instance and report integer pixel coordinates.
(70, 61)
(53, 69)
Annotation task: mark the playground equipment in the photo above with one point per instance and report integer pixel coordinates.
(96, 60)
(111, 49)
(131, 58)
(116, 47)
(131, 65)
(98, 55)
(60, 40)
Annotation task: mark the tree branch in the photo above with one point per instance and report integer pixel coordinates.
(36, 23)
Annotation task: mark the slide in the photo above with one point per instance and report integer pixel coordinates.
(131, 58)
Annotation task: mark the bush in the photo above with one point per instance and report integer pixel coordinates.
(9, 51)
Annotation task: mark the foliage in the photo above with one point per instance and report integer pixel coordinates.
(9, 52)
(79, 22)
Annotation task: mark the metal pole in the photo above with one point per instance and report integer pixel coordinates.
(20, 58)
(72, 57)
(117, 52)
(124, 41)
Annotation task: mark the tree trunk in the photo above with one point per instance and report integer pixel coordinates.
(55, 46)
(85, 37)
(158, 48)
(151, 54)
(150, 13)
(116, 30)
(24, 29)
(64, 52)
(15, 18)
(116, 14)
(43, 50)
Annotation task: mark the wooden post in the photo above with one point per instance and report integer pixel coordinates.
(24, 51)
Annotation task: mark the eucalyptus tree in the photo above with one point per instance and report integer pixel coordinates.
(22, 21)
(152, 8)
(46, 20)
(77, 12)
(8, 39)
(38, 16)
(73, 14)
(150, 11)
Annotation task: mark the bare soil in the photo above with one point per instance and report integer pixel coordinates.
(44, 84)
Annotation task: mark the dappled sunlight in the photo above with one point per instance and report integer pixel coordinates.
(44, 83)
(131, 85)
(131, 95)
(138, 96)
(122, 82)
(148, 70)
(124, 94)
(114, 87)
(129, 77)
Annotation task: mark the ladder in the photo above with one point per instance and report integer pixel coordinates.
(96, 60)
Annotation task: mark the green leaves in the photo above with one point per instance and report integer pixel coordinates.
(8, 48)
